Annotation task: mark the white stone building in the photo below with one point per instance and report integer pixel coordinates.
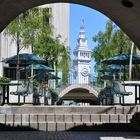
(82, 59)
(61, 21)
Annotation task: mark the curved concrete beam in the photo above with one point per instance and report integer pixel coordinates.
(76, 86)
(126, 18)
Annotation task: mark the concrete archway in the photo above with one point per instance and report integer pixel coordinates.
(125, 17)
(79, 94)
(79, 91)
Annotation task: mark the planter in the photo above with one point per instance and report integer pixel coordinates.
(4, 79)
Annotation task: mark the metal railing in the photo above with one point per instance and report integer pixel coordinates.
(92, 84)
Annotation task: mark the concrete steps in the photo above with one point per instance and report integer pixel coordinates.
(64, 118)
(69, 109)
(81, 118)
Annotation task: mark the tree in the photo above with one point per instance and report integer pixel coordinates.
(36, 21)
(39, 35)
(55, 53)
(109, 43)
(15, 30)
(32, 29)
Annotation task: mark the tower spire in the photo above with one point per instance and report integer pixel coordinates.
(82, 24)
(82, 30)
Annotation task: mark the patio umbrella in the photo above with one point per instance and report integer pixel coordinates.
(43, 76)
(122, 59)
(114, 69)
(24, 59)
(37, 67)
(108, 76)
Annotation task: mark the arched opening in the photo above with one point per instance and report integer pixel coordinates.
(79, 96)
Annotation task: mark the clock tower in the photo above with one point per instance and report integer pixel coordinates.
(82, 59)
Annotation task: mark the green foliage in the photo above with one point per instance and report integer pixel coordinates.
(105, 91)
(135, 121)
(107, 95)
(26, 28)
(15, 30)
(53, 94)
(109, 43)
(36, 23)
(55, 53)
(36, 83)
(4, 79)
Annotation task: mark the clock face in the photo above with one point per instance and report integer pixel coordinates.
(84, 72)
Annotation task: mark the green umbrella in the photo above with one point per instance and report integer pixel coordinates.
(110, 76)
(37, 67)
(122, 59)
(44, 76)
(113, 68)
(24, 59)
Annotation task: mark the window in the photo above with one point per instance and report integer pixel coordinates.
(46, 16)
(10, 72)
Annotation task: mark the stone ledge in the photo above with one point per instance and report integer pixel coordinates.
(69, 109)
(26, 118)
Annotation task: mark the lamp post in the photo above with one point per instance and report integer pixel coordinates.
(130, 62)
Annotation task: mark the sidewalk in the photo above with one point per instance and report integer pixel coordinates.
(118, 138)
(38, 135)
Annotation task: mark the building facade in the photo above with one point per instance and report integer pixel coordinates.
(61, 21)
(82, 59)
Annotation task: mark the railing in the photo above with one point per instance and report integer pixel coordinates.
(62, 86)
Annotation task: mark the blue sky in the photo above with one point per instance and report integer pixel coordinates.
(94, 22)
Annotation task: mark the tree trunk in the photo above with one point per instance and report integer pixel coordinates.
(17, 68)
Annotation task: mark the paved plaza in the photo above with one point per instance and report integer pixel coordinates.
(37, 135)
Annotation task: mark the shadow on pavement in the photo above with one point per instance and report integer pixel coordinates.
(4, 127)
(123, 127)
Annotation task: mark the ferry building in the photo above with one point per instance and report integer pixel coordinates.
(82, 58)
